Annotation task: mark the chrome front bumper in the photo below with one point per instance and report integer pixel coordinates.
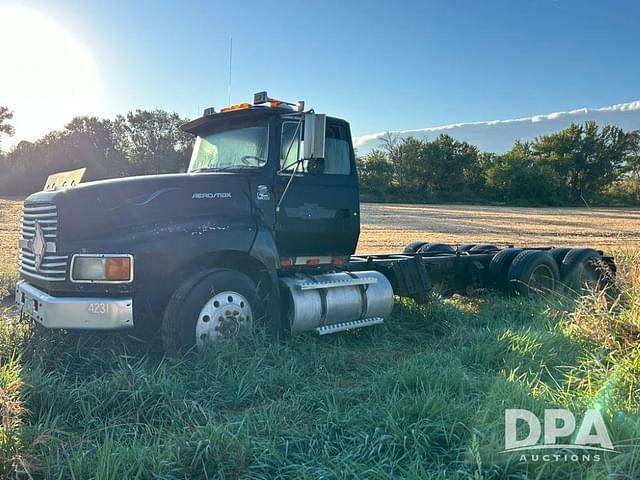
(74, 312)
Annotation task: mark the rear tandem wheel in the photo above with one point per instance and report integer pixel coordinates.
(533, 273)
(584, 269)
(413, 247)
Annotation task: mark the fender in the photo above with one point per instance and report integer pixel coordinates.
(264, 248)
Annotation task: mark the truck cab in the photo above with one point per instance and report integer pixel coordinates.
(319, 213)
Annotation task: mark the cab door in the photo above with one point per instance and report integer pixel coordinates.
(320, 212)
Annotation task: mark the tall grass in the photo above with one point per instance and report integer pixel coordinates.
(421, 396)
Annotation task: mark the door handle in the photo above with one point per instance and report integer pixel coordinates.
(343, 213)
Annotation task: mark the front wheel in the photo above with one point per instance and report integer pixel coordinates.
(209, 306)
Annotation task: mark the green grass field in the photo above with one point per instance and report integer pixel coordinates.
(421, 396)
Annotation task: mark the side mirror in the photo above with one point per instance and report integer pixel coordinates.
(315, 125)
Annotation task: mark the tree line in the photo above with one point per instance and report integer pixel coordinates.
(138, 143)
(582, 164)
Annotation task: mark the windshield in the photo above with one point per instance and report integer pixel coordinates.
(236, 148)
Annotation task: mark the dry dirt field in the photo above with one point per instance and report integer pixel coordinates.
(9, 225)
(389, 227)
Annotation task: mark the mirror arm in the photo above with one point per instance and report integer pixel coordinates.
(286, 188)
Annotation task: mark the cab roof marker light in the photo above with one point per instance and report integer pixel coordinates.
(261, 98)
(237, 106)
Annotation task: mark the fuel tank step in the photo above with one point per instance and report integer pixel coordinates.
(348, 282)
(343, 326)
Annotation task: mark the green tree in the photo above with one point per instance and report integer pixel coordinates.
(94, 145)
(518, 176)
(410, 169)
(374, 174)
(629, 184)
(587, 158)
(392, 147)
(140, 143)
(152, 142)
(441, 169)
(450, 167)
(5, 116)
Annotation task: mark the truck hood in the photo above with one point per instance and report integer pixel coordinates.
(122, 206)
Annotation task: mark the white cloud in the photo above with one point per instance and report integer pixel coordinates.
(499, 135)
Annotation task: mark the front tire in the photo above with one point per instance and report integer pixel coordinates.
(211, 305)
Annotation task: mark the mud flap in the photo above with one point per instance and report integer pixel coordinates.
(411, 277)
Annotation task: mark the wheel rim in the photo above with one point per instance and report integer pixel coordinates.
(541, 280)
(223, 316)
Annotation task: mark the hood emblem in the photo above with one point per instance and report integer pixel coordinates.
(38, 245)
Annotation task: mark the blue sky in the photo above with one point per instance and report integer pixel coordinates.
(382, 65)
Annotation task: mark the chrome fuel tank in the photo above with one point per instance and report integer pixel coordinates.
(345, 300)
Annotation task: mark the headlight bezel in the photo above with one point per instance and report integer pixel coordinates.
(99, 256)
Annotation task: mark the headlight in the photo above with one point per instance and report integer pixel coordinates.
(99, 268)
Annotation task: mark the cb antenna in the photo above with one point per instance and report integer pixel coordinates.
(230, 63)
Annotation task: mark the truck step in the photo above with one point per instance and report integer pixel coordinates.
(334, 284)
(343, 326)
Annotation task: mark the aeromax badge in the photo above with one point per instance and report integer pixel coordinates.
(212, 195)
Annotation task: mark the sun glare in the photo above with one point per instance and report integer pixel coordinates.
(47, 76)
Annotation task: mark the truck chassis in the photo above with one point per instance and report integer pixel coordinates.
(422, 267)
(261, 228)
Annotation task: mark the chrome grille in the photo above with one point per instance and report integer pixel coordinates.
(53, 268)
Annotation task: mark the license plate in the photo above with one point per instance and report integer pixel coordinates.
(27, 303)
(28, 306)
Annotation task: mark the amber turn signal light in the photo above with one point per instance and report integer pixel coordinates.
(117, 268)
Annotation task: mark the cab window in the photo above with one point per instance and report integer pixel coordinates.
(291, 147)
(337, 159)
(337, 153)
(244, 147)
